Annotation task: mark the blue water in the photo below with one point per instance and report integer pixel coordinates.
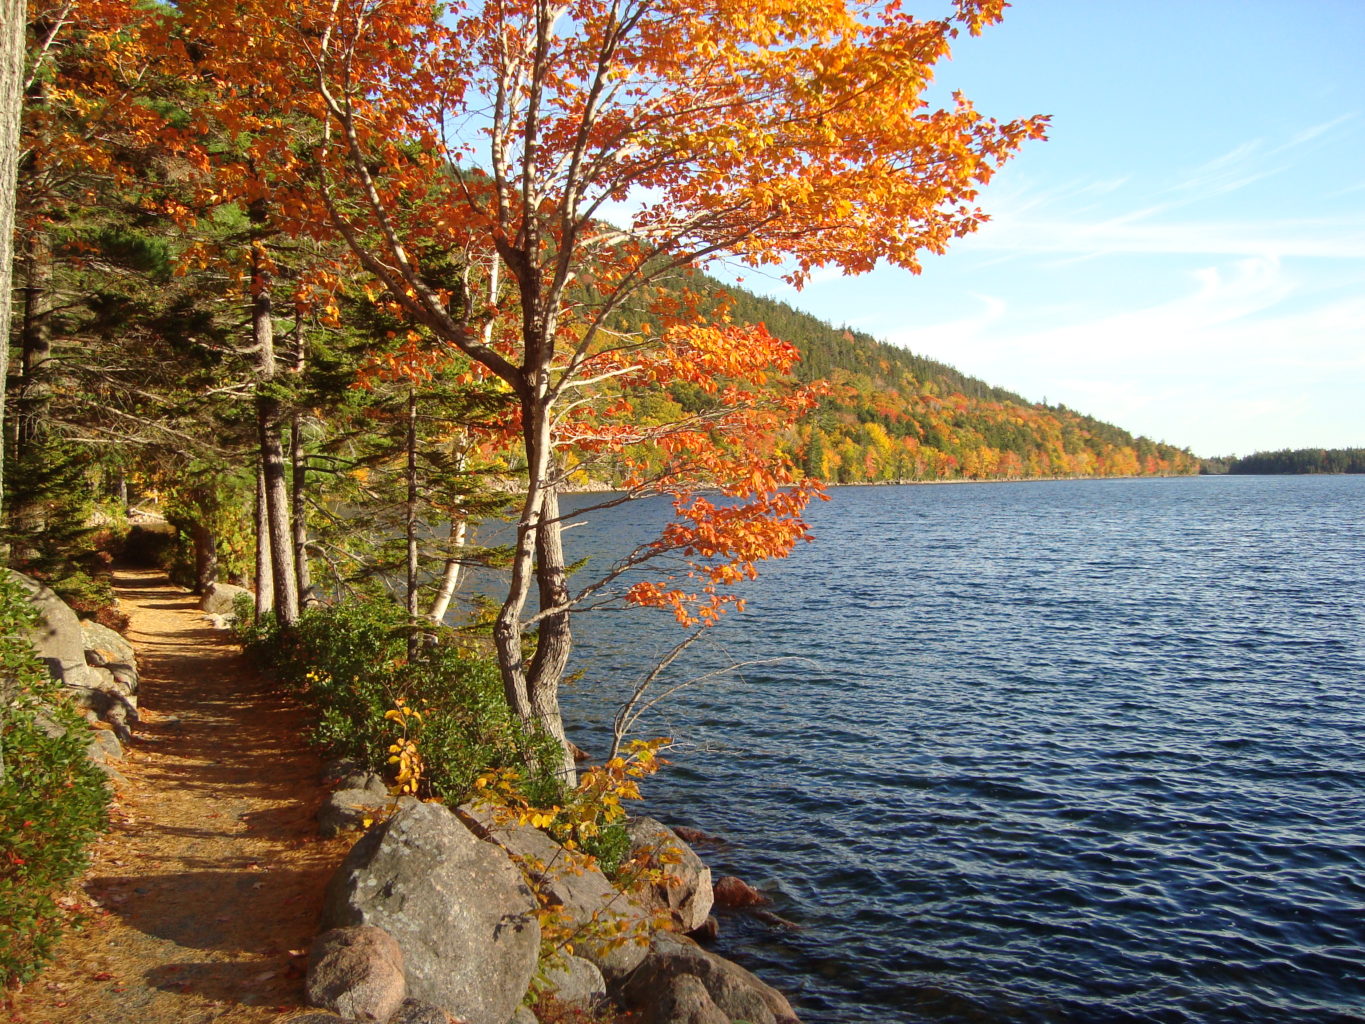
(1063, 751)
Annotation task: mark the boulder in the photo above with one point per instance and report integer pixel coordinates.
(125, 676)
(104, 746)
(456, 906)
(356, 972)
(684, 1001)
(696, 836)
(220, 597)
(350, 808)
(576, 982)
(321, 1017)
(110, 645)
(366, 781)
(414, 1011)
(709, 930)
(114, 684)
(605, 926)
(731, 892)
(731, 989)
(684, 889)
(57, 637)
(121, 714)
(523, 1016)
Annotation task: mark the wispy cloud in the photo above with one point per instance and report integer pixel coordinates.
(1127, 215)
(1320, 238)
(1262, 332)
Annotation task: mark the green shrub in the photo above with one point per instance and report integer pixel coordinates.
(350, 662)
(53, 800)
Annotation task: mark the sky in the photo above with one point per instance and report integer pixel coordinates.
(1185, 256)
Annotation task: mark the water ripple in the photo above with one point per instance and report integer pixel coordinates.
(1065, 752)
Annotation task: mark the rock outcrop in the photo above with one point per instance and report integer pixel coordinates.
(219, 598)
(604, 925)
(453, 889)
(575, 981)
(361, 799)
(94, 664)
(455, 905)
(357, 972)
(684, 889)
(681, 983)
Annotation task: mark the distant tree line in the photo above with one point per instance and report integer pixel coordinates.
(1295, 460)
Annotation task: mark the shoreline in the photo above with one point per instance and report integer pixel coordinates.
(608, 489)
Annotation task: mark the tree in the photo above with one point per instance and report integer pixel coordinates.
(11, 106)
(778, 133)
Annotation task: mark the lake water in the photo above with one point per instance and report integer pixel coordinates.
(1064, 751)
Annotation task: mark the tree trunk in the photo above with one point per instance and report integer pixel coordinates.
(205, 557)
(299, 465)
(450, 577)
(11, 106)
(35, 341)
(554, 640)
(410, 518)
(533, 692)
(34, 391)
(265, 575)
(276, 496)
(275, 493)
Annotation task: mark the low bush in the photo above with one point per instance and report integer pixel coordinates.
(350, 662)
(53, 799)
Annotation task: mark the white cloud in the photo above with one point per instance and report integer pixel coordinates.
(1226, 364)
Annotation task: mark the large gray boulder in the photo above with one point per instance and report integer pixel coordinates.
(113, 646)
(415, 1012)
(348, 809)
(456, 906)
(684, 1001)
(356, 972)
(57, 637)
(575, 982)
(220, 597)
(684, 888)
(605, 926)
(658, 987)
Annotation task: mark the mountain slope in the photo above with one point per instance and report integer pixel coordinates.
(894, 415)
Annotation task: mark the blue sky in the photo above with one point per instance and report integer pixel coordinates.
(1185, 256)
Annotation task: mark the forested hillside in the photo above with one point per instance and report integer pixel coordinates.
(1295, 461)
(894, 415)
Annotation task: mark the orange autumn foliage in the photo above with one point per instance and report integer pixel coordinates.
(592, 149)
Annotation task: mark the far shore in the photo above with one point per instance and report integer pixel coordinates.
(607, 489)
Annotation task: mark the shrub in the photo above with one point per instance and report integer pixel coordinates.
(350, 662)
(53, 799)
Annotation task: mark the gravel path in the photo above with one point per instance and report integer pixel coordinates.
(205, 893)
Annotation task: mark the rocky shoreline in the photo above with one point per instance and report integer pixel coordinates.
(444, 915)
(441, 913)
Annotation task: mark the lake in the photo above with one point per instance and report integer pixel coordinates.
(1059, 751)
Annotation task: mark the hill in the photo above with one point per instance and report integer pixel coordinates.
(1296, 461)
(894, 415)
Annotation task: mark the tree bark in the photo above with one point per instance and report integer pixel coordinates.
(554, 640)
(265, 575)
(275, 493)
(299, 482)
(276, 496)
(35, 341)
(205, 557)
(533, 691)
(450, 576)
(11, 107)
(410, 518)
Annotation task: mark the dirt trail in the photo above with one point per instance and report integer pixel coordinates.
(210, 882)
